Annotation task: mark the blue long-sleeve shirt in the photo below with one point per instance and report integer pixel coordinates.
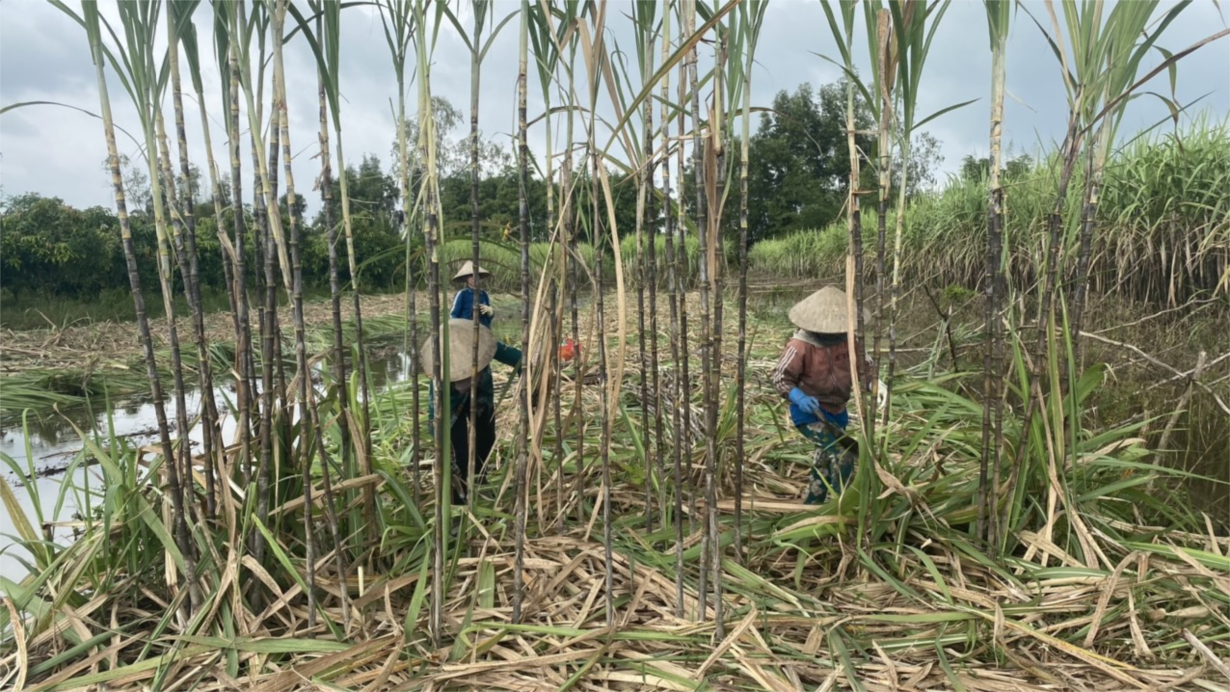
(463, 305)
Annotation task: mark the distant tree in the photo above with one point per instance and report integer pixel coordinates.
(190, 188)
(375, 223)
(923, 166)
(373, 194)
(299, 207)
(137, 191)
(798, 167)
(49, 247)
(447, 117)
(498, 206)
(979, 167)
(452, 153)
(799, 162)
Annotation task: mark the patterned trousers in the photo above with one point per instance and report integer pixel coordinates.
(831, 468)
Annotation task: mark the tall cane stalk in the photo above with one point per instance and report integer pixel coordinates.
(428, 206)
(914, 24)
(678, 355)
(188, 37)
(362, 426)
(645, 19)
(523, 431)
(178, 17)
(751, 19)
(998, 18)
(91, 20)
(398, 19)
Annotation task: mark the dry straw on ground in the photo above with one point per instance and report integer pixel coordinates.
(102, 345)
(926, 614)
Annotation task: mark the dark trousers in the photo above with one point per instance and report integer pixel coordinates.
(484, 438)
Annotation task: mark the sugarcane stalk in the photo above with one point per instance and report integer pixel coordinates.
(1095, 159)
(715, 179)
(595, 61)
(523, 432)
(678, 356)
(247, 382)
(604, 411)
(440, 363)
(397, 13)
(209, 412)
(708, 546)
(547, 67)
(987, 523)
(93, 30)
(271, 349)
(642, 344)
(480, 15)
(652, 262)
(363, 449)
(227, 248)
(341, 382)
(752, 28)
(184, 450)
(685, 386)
(574, 279)
(1068, 153)
(854, 229)
(884, 80)
(178, 459)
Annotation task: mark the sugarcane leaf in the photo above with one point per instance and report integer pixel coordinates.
(943, 111)
(685, 46)
(461, 32)
(494, 33)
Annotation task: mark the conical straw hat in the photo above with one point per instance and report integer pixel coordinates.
(824, 311)
(467, 269)
(460, 350)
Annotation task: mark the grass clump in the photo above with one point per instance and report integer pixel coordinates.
(1163, 234)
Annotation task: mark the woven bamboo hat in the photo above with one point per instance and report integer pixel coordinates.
(469, 269)
(824, 311)
(460, 350)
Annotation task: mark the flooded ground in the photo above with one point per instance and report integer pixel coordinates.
(46, 447)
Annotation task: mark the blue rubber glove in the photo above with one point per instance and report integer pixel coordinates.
(805, 402)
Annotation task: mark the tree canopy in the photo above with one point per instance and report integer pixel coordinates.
(798, 164)
(797, 179)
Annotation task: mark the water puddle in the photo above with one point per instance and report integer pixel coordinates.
(49, 444)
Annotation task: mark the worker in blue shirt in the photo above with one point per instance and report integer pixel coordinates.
(462, 397)
(484, 398)
(470, 295)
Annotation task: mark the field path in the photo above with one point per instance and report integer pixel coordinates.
(115, 344)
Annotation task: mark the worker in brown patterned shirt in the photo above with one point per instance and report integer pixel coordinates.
(814, 375)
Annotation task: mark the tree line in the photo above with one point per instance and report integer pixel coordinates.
(796, 180)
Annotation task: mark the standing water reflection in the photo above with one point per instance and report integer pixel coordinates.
(48, 444)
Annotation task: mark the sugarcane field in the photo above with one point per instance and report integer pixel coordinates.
(626, 345)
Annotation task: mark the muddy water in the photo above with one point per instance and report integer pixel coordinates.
(49, 444)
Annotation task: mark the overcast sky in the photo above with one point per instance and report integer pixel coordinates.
(44, 56)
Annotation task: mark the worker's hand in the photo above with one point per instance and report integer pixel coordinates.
(804, 401)
(485, 309)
